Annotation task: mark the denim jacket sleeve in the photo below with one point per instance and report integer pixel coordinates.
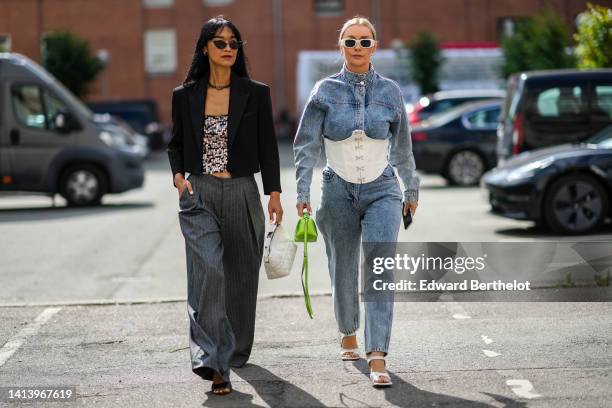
(401, 156)
(307, 145)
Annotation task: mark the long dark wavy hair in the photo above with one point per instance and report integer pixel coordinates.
(200, 67)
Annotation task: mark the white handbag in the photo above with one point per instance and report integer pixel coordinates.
(279, 253)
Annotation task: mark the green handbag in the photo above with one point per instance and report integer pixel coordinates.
(306, 231)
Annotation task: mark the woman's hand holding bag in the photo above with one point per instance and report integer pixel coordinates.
(279, 253)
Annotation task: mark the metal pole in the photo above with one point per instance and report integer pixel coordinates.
(375, 5)
(279, 54)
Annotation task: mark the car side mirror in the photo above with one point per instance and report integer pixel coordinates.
(65, 122)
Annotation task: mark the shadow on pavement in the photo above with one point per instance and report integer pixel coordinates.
(403, 394)
(275, 391)
(448, 187)
(536, 231)
(54, 213)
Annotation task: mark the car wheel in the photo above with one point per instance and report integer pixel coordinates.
(575, 204)
(83, 185)
(465, 168)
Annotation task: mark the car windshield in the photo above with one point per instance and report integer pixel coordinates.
(602, 139)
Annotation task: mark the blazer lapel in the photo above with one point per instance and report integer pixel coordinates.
(197, 96)
(239, 95)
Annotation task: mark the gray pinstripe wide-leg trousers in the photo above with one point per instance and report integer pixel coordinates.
(224, 225)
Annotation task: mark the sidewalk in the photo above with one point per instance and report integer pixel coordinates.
(136, 356)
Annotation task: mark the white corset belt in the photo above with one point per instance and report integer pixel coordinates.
(357, 159)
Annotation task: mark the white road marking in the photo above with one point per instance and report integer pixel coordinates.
(522, 388)
(486, 339)
(455, 308)
(13, 344)
(490, 353)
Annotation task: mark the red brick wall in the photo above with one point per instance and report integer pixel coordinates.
(119, 26)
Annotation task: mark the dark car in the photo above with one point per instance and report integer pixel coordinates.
(566, 188)
(460, 144)
(442, 101)
(141, 115)
(547, 108)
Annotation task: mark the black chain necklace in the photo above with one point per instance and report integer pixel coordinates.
(219, 87)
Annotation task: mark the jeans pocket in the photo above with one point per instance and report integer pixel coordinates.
(388, 173)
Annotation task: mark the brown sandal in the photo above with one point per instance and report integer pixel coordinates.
(223, 388)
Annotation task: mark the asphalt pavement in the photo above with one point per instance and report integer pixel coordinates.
(95, 298)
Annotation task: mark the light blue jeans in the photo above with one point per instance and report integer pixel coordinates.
(347, 215)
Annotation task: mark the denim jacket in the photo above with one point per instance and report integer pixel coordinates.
(347, 101)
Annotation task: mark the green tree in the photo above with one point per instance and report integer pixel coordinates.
(425, 62)
(594, 37)
(540, 42)
(70, 60)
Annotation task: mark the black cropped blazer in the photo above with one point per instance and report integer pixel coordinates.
(252, 143)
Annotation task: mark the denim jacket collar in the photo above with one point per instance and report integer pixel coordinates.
(355, 78)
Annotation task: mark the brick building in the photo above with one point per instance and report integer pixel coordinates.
(150, 43)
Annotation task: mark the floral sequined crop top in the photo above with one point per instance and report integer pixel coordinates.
(214, 158)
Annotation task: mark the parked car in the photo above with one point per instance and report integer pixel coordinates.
(547, 108)
(566, 188)
(460, 144)
(142, 116)
(51, 143)
(442, 101)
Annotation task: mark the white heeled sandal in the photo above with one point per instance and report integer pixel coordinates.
(348, 354)
(375, 376)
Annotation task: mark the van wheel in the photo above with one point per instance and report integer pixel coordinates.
(464, 168)
(83, 185)
(575, 204)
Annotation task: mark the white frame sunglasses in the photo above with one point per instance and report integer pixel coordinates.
(371, 41)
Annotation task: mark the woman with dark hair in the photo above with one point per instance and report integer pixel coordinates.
(223, 133)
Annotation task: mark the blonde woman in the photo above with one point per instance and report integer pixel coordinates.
(358, 116)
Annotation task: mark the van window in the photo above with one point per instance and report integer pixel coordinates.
(603, 100)
(53, 106)
(28, 106)
(560, 101)
(35, 107)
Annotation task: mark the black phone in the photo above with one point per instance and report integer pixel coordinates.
(407, 218)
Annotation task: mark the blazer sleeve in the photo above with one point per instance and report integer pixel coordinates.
(267, 145)
(175, 146)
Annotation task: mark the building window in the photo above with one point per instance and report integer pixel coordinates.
(5, 43)
(328, 7)
(158, 3)
(217, 3)
(160, 51)
(506, 26)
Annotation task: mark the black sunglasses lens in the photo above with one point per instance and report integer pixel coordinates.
(220, 44)
(365, 43)
(350, 43)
